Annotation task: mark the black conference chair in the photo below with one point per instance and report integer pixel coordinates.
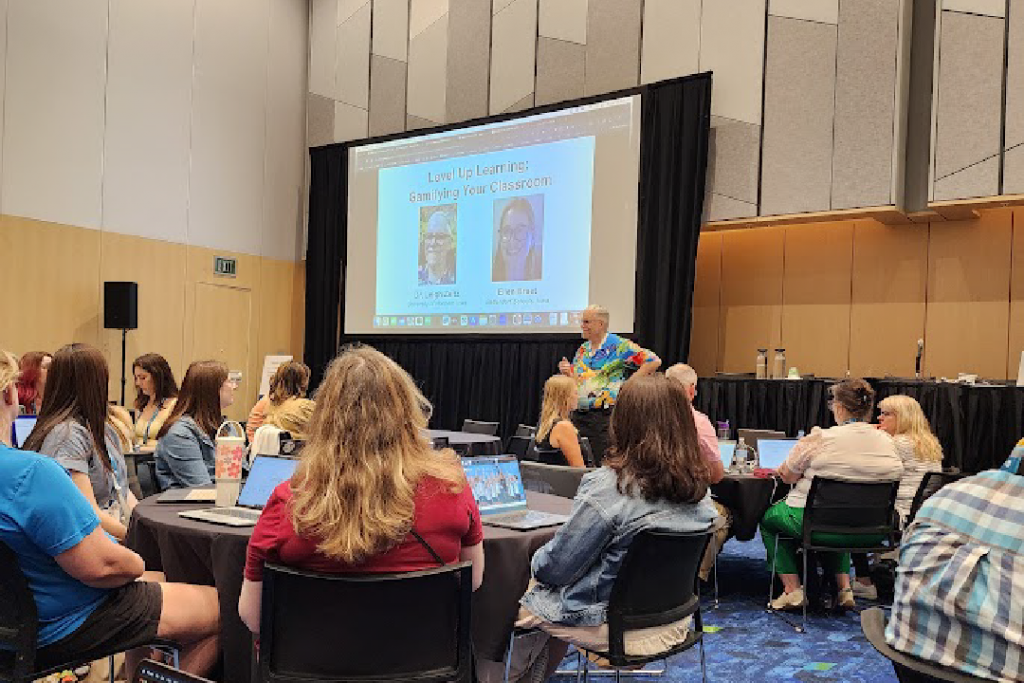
(345, 627)
(930, 484)
(909, 669)
(479, 427)
(552, 456)
(149, 671)
(526, 430)
(519, 446)
(656, 586)
(557, 480)
(588, 452)
(837, 506)
(19, 629)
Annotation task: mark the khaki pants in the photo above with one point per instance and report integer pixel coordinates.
(718, 539)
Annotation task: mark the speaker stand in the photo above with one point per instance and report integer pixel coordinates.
(124, 353)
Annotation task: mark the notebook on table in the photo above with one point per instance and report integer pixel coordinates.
(773, 452)
(203, 494)
(497, 486)
(267, 472)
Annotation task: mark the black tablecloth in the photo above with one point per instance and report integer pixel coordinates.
(747, 497)
(977, 425)
(468, 443)
(214, 555)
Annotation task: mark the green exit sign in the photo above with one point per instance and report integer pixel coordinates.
(225, 267)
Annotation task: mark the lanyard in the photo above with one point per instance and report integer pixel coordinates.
(159, 407)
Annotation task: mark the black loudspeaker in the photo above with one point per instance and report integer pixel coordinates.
(120, 305)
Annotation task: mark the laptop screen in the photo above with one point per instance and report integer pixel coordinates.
(497, 483)
(23, 426)
(267, 472)
(726, 448)
(773, 452)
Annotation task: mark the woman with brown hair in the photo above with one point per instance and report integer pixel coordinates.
(370, 495)
(854, 450)
(75, 427)
(32, 367)
(555, 429)
(155, 397)
(290, 380)
(186, 454)
(653, 478)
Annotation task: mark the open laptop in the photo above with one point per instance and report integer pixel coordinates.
(498, 489)
(726, 450)
(753, 437)
(267, 472)
(773, 452)
(23, 426)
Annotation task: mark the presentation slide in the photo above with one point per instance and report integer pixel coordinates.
(514, 226)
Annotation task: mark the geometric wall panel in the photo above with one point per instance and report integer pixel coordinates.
(513, 54)
(1013, 169)
(613, 45)
(469, 59)
(671, 39)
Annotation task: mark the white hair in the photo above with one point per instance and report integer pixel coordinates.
(600, 311)
(682, 373)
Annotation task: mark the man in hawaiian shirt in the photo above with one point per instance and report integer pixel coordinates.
(600, 366)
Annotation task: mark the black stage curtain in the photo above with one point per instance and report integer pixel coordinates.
(977, 426)
(326, 254)
(500, 379)
(673, 156)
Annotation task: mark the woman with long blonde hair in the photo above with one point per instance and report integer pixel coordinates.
(555, 430)
(370, 495)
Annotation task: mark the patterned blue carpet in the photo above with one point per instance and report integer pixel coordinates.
(745, 643)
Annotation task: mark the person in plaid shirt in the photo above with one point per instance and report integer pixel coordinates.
(960, 582)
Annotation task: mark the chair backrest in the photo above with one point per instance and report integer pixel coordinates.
(149, 671)
(656, 584)
(519, 446)
(930, 484)
(526, 430)
(588, 452)
(18, 620)
(478, 427)
(850, 507)
(290, 446)
(551, 456)
(439, 442)
(347, 627)
(145, 471)
(558, 480)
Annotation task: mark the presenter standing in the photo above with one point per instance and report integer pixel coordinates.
(600, 366)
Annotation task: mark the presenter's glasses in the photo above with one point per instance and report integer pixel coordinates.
(518, 233)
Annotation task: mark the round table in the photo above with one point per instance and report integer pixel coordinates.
(468, 443)
(197, 552)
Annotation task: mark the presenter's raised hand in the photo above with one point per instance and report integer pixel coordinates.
(565, 367)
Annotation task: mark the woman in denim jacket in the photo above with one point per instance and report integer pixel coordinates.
(655, 478)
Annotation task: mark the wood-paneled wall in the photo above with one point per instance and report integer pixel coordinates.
(856, 296)
(55, 296)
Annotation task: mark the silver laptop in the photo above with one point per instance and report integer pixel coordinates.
(267, 472)
(498, 489)
(771, 453)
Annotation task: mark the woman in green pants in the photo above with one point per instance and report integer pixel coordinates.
(854, 450)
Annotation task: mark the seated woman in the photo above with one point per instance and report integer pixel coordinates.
(155, 397)
(370, 494)
(290, 380)
(186, 454)
(76, 428)
(901, 417)
(32, 367)
(654, 478)
(292, 417)
(91, 594)
(852, 450)
(555, 430)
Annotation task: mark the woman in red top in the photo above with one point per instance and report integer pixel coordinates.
(368, 479)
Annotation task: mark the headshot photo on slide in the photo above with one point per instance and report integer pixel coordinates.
(438, 242)
(518, 238)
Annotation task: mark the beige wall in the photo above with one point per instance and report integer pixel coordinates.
(857, 296)
(185, 312)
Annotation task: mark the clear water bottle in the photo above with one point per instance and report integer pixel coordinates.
(762, 364)
(742, 457)
(779, 364)
(800, 434)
